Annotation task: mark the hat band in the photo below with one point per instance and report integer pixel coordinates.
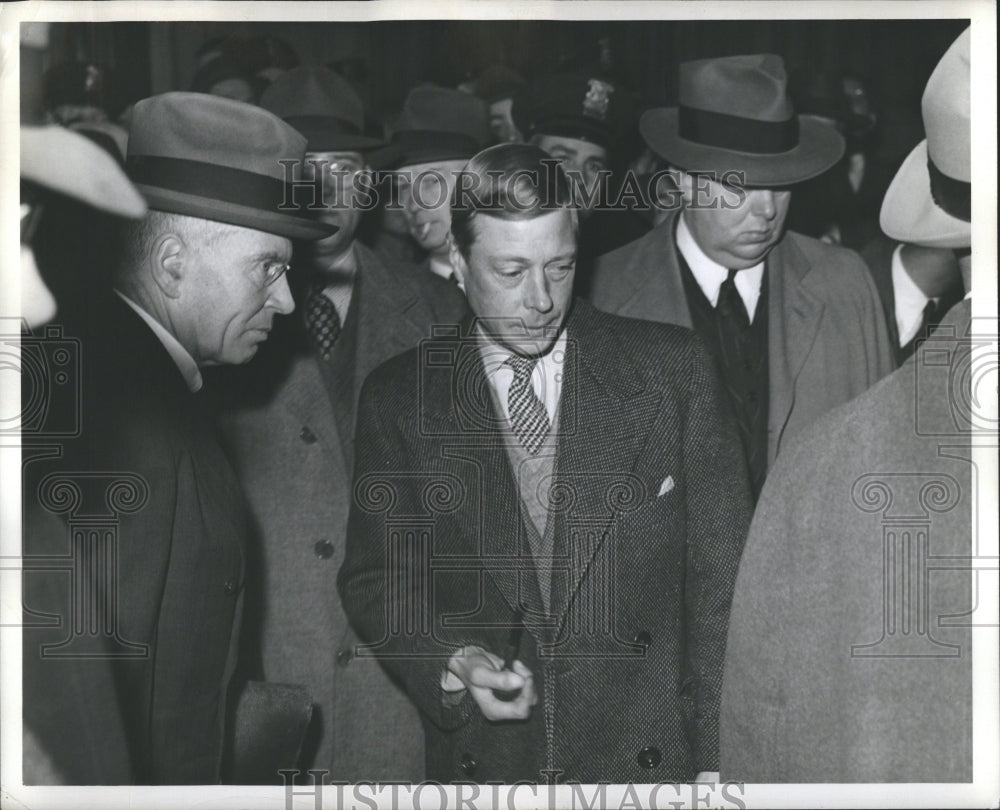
(738, 134)
(575, 127)
(210, 180)
(329, 123)
(952, 196)
(419, 140)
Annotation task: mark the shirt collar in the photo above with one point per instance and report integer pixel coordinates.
(440, 267)
(710, 274)
(494, 355)
(546, 377)
(182, 359)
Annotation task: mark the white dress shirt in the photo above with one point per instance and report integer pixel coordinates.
(546, 377)
(184, 361)
(710, 274)
(910, 299)
(441, 267)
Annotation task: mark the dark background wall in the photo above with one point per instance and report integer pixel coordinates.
(895, 57)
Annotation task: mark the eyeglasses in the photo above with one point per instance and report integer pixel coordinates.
(273, 271)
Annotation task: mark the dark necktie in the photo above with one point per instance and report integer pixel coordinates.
(322, 320)
(730, 303)
(528, 416)
(927, 321)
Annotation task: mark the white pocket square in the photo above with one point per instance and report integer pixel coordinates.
(666, 486)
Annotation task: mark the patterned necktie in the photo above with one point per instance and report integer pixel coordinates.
(322, 320)
(730, 304)
(528, 416)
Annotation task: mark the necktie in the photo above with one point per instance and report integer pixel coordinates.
(927, 320)
(926, 327)
(730, 304)
(528, 416)
(322, 320)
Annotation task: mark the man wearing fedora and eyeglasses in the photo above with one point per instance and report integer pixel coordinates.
(795, 325)
(199, 283)
(288, 422)
(849, 656)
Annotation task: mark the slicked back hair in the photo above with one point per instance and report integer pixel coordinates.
(510, 181)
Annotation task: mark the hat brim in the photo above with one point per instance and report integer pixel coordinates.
(287, 225)
(909, 213)
(85, 171)
(820, 147)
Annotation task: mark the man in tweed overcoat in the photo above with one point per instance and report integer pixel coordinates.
(552, 466)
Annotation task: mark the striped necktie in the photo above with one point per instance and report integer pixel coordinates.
(528, 416)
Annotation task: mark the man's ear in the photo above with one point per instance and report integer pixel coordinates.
(169, 258)
(457, 260)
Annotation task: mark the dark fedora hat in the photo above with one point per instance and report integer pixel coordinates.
(322, 106)
(440, 124)
(215, 158)
(735, 114)
(575, 105)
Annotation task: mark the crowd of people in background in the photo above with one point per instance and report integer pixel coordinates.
(682, 311)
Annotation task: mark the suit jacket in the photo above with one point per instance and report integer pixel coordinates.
(849, 655)
(650, 502)
(289, 423)
(144, 492)
(878, 256)
(827, 338)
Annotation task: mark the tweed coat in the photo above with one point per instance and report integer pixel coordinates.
(289, 426)
(146, 469)
(849, 656)
(650, 501)
(827, 337)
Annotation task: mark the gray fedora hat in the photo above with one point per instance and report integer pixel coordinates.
(322, 106)
(215, 158)
(735, 114)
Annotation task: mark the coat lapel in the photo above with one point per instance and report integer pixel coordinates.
(604, 425)
(794, 318)
(392, 318)
(458, 407)
(305, 396)
(658, 293)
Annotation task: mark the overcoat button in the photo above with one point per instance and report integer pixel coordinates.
(323, 549)
(642, 638)
(307, 435)
(649, 757)
(344, 657)
(230, 586)
(467, 764)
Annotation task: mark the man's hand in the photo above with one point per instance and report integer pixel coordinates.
(483, 675)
